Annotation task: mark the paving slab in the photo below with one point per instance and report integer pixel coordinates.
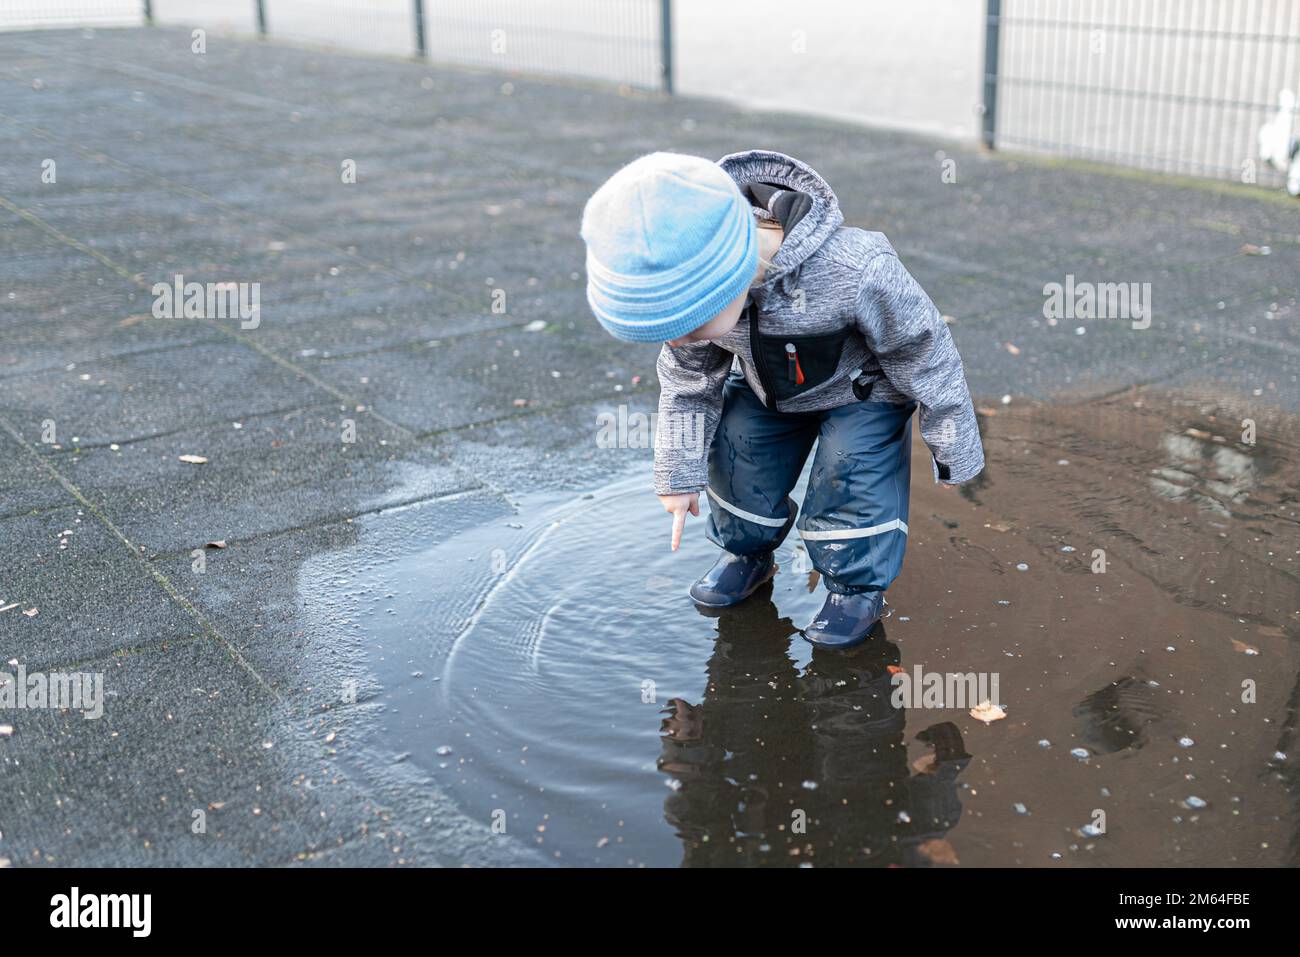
(380, 306)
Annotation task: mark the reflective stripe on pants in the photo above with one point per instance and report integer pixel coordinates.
(854, 516)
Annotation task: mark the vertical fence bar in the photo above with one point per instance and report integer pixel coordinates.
(261, 18)
(417, 9)
(666, 43)
(992, 26)
(148, 13)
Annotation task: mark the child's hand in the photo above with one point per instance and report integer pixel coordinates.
(679, 505)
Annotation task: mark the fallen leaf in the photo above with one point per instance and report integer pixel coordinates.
(939, 851)
(520, 403)
(1013, 348)
(219, 543)
(987, 712)
(193, 459)
(132, 320)
(31, 612)
(894, 669)
(985, 410)
(1242, 648)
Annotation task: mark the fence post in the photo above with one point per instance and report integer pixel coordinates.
(261, 18)
(666, 43)
(417, 8)
(148, 13)
(992, 27)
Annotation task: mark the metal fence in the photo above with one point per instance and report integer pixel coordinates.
(1179, 86)
(621, 41)
(69, 13)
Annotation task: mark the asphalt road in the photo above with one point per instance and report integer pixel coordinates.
(377, 324)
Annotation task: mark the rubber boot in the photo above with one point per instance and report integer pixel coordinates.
(732, 579)
(845, 620)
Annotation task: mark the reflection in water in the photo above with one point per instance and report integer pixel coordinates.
(1127, 575)
(781, 767)
(1203, 473)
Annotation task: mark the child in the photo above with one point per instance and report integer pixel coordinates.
(746, 263)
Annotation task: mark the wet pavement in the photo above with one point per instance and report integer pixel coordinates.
(1125, 568)
(441, 584)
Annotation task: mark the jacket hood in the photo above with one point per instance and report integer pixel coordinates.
(810, 217)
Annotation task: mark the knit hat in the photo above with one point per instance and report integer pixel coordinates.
(670, 242)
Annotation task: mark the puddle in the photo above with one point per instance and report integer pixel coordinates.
(546, 671)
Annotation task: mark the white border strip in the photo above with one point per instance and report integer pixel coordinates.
(837, 533)
(747, 516)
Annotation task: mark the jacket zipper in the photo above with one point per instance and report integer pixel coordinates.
(756, 350)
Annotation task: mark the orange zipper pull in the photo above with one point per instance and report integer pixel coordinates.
(793, 369)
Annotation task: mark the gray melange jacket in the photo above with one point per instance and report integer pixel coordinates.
(842, 297)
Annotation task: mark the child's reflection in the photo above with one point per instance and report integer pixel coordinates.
(778, 768)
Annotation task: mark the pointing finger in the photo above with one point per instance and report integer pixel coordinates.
(679, 522)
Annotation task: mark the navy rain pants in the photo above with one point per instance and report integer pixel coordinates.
(854, 516)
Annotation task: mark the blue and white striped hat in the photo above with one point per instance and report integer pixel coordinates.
(670, 242)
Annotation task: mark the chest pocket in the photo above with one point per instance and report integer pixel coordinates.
(794, 364)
